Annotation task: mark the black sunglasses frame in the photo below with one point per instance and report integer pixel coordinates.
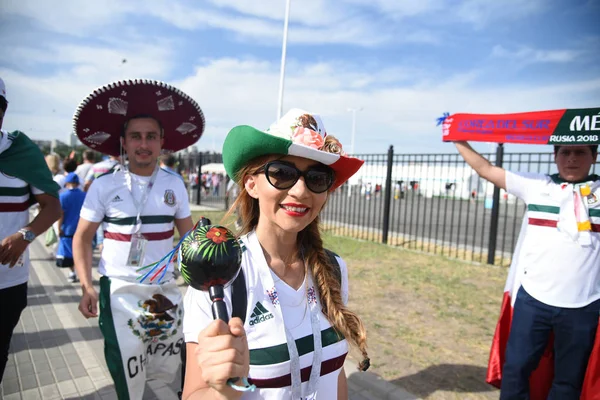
(324, 168)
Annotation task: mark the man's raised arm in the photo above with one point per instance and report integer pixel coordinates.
(482, 166)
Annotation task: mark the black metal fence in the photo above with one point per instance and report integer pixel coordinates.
(198, 170)
(433, 203)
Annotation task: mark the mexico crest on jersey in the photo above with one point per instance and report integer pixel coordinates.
(169, 198)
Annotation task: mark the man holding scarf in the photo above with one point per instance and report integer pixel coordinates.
(24, 180)
(139, 205)
(559, 272)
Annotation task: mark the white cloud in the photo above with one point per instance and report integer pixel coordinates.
(311, 21)
(395, 9)
(306, 12)
(244, 91)
(105, 62)
(526, 55)
(79, 18)
(480, 13)
(357, 22)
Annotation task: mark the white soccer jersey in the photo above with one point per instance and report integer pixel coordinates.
(557, 270)
(14, 211)
(269, 357)
(109, 201)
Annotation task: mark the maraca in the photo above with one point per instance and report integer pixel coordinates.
(210, 259)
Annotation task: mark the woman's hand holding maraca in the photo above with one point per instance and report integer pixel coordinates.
(222, 353)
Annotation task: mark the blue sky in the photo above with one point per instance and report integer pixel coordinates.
(403, 62)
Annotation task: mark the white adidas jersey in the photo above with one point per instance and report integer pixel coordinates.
(109, 201)
(15, 199)
(269, 359)
(557, 270)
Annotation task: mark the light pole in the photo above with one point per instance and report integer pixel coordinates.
(283, 51)
(353, 111)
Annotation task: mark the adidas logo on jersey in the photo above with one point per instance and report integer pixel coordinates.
(116, 199)
(260, 314)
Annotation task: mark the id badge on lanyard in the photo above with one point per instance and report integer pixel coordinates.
(138, 241)
(137, 250)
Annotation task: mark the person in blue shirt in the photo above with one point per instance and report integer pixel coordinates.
(71, 202)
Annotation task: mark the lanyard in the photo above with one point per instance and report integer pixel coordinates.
(139, 206)
(315, 374)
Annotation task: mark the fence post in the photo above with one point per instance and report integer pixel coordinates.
(495, 210)
(388, 196)
(199, 187)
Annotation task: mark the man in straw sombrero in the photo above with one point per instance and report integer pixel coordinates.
(139, 205)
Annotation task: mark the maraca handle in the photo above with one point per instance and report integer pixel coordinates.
(219, 309)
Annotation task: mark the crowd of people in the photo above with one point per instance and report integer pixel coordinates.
(295, 330)
(211, 183)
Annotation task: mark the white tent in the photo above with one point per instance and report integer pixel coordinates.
(217, 168)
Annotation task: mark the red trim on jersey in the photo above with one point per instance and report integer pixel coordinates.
(552, 223)
(286, 380)
(15, 207)
(126, 237)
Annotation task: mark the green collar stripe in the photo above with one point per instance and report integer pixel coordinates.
(278, 354)
(541, 208)
(14, 191)
(556, 210)
(146, 219)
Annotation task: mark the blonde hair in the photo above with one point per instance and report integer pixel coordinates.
(53, 163)
(344, 321)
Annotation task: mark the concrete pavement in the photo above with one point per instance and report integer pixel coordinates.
(58, 354)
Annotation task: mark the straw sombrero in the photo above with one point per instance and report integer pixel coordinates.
(99, 119)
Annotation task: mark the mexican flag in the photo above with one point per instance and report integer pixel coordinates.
(21, 158)
(541, 379)
(573, 126)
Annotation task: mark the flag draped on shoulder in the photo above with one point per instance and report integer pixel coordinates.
(23, 159)
(540, 380)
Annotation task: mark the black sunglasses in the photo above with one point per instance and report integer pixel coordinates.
(283, 175)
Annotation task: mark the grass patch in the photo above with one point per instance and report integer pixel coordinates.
(430, 319)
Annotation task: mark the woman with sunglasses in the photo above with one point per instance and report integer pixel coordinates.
(295, 337)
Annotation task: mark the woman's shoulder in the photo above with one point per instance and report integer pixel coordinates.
(337, 260)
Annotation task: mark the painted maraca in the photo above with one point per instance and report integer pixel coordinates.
(210, 258)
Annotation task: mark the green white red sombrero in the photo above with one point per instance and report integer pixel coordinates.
(99, 119)
(298, 133)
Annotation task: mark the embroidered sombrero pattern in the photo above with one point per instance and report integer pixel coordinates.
(99, 119)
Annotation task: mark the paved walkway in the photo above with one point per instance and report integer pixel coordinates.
(58, 354)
